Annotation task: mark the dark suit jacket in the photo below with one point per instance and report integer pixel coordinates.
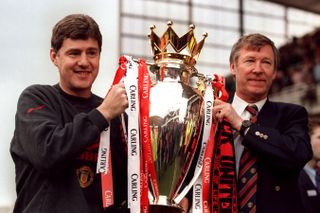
(309, 194)
(282, 144)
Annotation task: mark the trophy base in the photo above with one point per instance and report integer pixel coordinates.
(166, 209)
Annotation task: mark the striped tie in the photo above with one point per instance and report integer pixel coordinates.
(247, 181)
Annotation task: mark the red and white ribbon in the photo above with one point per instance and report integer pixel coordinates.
(104, 151)
(105, 168)
(131, 86)
(104, 162)
(107, 185)
(197, 206)
(206, 170)
(144, 84)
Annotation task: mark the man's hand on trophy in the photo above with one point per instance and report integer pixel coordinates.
(223, 110)
(115, 102)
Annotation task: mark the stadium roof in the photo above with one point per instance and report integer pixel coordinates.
(307, 5)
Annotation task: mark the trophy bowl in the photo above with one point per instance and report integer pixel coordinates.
(175, 125)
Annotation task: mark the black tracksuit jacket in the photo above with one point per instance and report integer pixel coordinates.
(54, 149)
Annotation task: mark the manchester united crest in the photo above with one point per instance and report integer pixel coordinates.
(85, 176)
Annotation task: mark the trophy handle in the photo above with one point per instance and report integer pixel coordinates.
(184, 192)
(220, 92)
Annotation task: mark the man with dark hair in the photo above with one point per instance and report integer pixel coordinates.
(57, 129)
(271, 139)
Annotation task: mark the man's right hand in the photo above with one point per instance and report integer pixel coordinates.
(115, 102)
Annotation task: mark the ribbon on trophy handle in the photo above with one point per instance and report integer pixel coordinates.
(140, 159)
(144, 85)
(104, 163)
(201, 195)
(222, 94)
(197, 206)
(144, 92)
(202, 187)
(134, 149)
(206, 170)
(147, 169)
(104, 166)
(219, 91)
(201, 180)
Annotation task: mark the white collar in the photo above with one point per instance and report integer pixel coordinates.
(310, 169)
(239, 104)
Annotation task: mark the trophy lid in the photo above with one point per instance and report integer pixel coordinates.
(170, 46)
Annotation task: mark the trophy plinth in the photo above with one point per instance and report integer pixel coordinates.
(165, 208)
(164, 205)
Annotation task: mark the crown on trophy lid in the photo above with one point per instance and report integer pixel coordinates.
(171, 46)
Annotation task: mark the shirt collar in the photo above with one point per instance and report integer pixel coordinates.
(310, 170)
(239, 104)
(311, 173)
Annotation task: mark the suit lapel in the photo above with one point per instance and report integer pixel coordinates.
(268, 115)
(306, 183)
